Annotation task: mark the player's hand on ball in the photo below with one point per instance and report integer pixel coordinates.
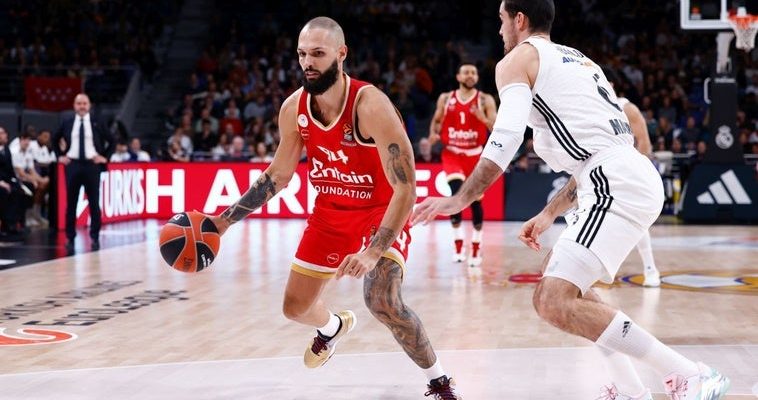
(359, 264)
(532, 229)
(431, 207)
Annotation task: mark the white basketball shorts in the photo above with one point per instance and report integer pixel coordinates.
(619, 195)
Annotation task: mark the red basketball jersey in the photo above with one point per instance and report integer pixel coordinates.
(343, 167)
(461, 131)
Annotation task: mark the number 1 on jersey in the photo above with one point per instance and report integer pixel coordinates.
(463, 117)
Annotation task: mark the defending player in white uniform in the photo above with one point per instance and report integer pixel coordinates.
(642, 143)
(579, 128)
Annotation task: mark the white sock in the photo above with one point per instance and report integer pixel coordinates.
(435, 371)
(458, 232)
(476, 236)
(646, 252)
(622, 372)
(624, 336)
(331, 327)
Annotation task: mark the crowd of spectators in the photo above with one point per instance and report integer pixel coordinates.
(408, 49)
(80, 38)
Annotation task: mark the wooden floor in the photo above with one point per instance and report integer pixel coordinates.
(154, 333)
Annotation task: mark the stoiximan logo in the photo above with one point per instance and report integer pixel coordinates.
(34, 336)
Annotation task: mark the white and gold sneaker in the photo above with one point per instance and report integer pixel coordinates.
(322, 348)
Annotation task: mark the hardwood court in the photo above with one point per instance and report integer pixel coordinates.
(144, 331)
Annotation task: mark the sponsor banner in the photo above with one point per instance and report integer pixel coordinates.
(720, 193)
(527, 193)
(160, 190)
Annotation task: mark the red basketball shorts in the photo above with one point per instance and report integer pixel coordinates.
(458, 166)
(333, 234)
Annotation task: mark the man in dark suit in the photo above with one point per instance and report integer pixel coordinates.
(84, 146)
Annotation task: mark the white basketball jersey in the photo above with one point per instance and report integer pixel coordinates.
(575, 112)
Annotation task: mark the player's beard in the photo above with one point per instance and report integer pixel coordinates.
(324, 81)
(467, 85)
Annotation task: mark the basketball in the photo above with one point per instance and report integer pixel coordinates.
(189, 241)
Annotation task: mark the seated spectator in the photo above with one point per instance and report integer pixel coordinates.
(122, 152)
(261, 154)
(136, 154)
(206, 140)
(176, 152)
(205, 115)
(43, 152)
(12, 196)
(23, 163)
(257, 108)
(184, 142)
(237, 150)
(221, 150)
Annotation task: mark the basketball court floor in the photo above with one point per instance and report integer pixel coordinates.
(120, 324)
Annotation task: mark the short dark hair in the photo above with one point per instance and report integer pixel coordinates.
(24, 135)
(540, 12)
(610, 75)
(465, 63)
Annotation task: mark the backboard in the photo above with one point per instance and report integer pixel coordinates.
(706, 15)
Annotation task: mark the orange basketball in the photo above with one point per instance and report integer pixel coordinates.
(189, 241)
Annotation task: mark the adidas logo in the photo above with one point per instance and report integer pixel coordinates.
(727, 190)
(625, 329)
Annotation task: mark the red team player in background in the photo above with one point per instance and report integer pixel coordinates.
(361, 162)
(462, 121)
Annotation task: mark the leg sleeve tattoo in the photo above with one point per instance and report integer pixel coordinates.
(381, 292)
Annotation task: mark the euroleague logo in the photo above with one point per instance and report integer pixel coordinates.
(35, 336)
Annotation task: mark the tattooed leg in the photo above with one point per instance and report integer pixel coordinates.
(381, 291)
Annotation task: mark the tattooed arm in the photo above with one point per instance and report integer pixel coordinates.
(562, 201)
(278, 173)
(379, 119)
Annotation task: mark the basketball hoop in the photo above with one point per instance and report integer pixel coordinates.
(745, 27)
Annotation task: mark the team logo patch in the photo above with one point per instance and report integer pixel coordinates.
(302, 120)
(347, 136)
(34, 336)
(305, 134)
(704, 281)
(332, 258)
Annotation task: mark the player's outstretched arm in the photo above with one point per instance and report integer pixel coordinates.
(379, 119)
(278, 173)
(515, 75)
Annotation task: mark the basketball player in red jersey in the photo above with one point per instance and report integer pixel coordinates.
(461, 121)
(361, 163)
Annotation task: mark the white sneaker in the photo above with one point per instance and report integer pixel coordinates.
(611, 393)
(459, 257)
(707, 384)
(652, 277)
(474, 262)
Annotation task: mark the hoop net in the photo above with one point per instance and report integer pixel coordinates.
(745, 28)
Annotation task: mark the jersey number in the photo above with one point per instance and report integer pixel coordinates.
(463, 117)
(605, 94)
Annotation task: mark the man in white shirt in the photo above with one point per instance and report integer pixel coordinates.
(137, 154)
(83, 145)
(23, 163)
